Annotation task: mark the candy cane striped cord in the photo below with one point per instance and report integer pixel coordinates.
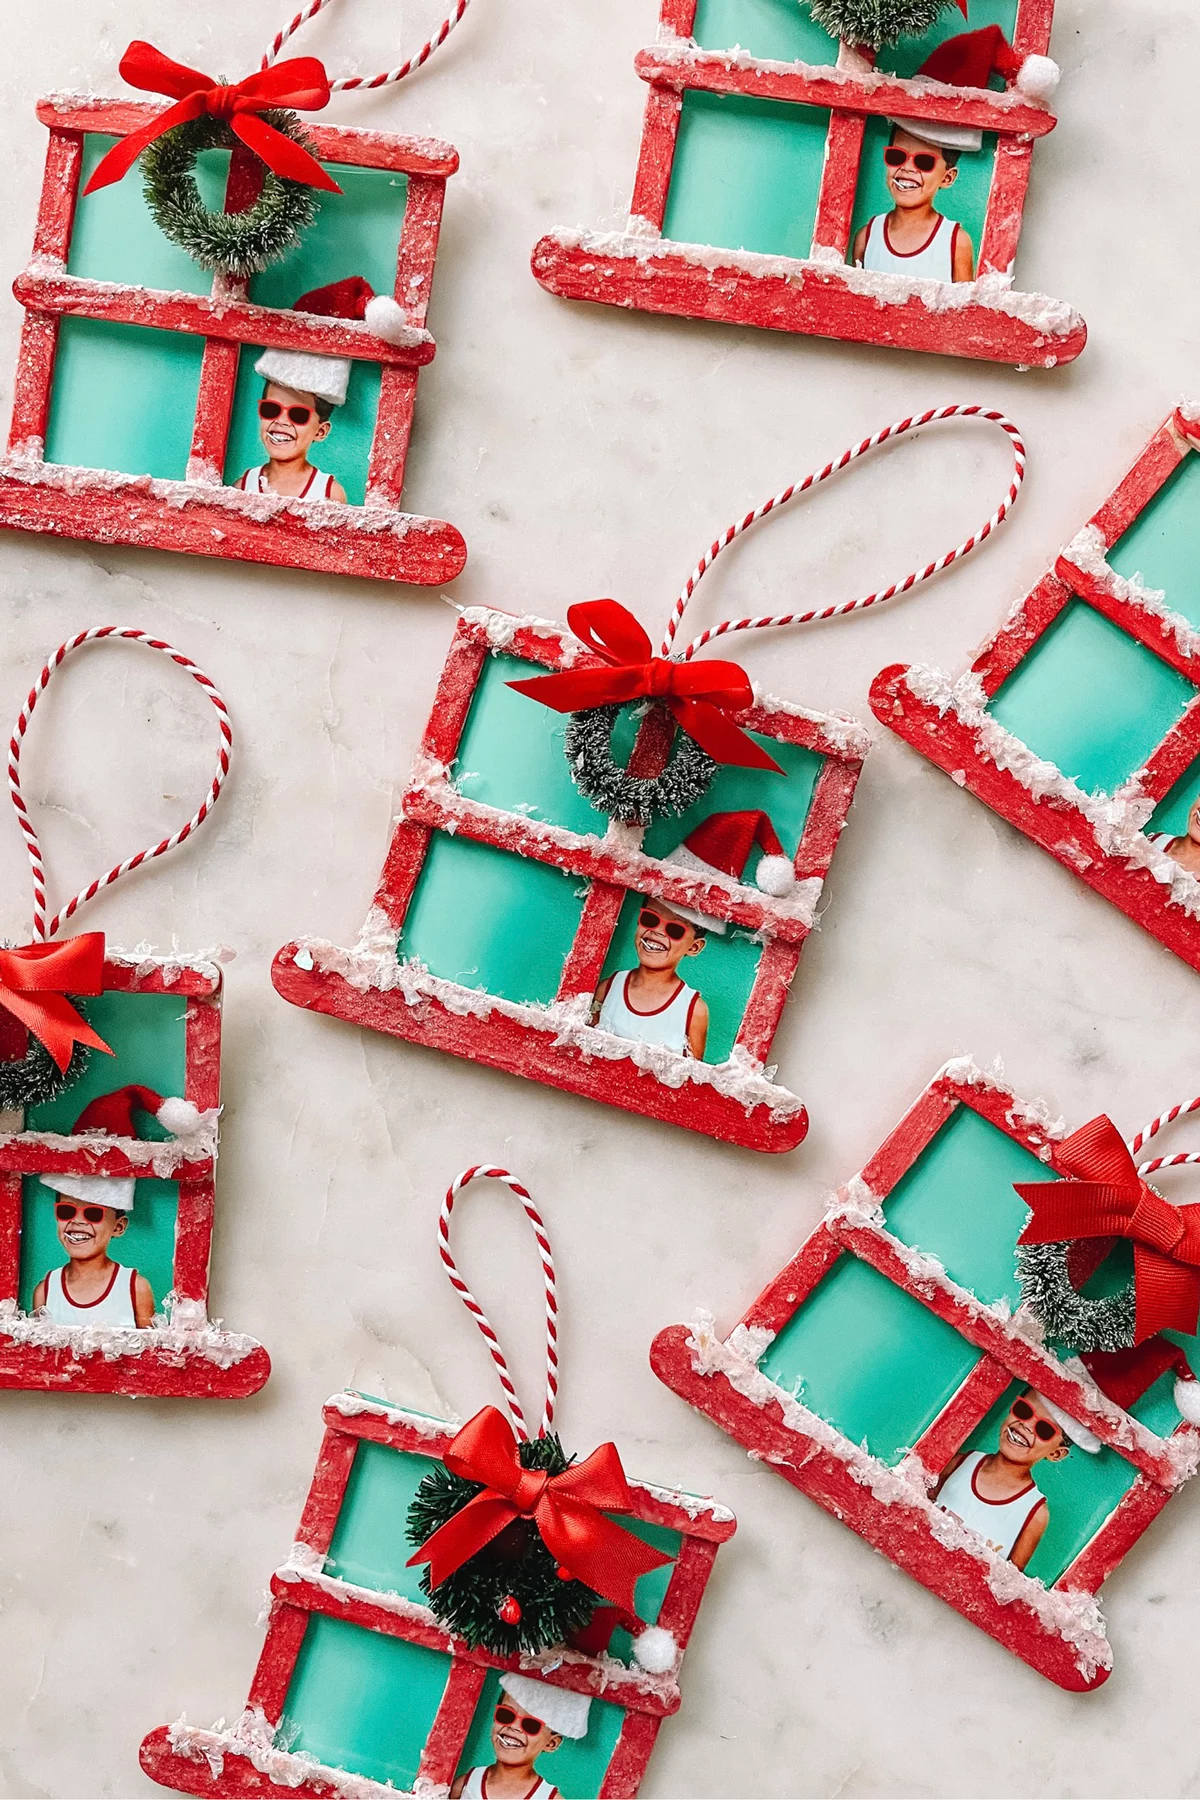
(346, 82)
(1168, 1162)
(1152, 1130)
(901, 426)
(41, 930)
(485, 1171)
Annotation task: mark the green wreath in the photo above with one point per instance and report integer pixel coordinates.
(1068, 1316)
(613, 790)
(877, 22)
(36, 1077)
(240, 243)
(515, 1567)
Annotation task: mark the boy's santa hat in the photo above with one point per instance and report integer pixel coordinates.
(722, 845)
(970, 60)
(562, 1709)
(112, 1114)
(654, 1649)
(1078, 1434)
(328, 377)
(1125, 1375)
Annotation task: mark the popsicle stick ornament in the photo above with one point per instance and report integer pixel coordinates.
(1078, 721)
(914, 1369)
(206, 366)
(844, 186)
(375, 1679)
(110, 1075)
(558, 871)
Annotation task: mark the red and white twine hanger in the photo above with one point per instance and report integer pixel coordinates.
(388, 76)
(1152, 1130)
(901, 426)
(41, 931)
(486, 1171)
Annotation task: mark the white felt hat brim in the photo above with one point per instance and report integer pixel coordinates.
(946, 137)
(563, 1710)
(687, 859)
(95, 1190)
(326, 377)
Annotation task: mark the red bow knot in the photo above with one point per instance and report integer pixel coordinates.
(698, 695)
(301, 82)
(568, 1510)
(1106, 1197)
(34, 978)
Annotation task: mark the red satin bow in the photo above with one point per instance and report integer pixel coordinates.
(1106, 1197)
(698, 694)
(568, 1511)
(300, 82)
(35, 977)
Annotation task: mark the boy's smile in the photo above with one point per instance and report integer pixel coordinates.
(1029, 1434)
(82, 1237)
(914, 183)
(663, 939)
(512, 1742)
(287, 439)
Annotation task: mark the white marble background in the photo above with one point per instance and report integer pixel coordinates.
(586, 452)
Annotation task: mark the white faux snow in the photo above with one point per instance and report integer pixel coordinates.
(502, 628)
(739, 1079)
(353, 1406)
(1089, 553)
(306, 1565)
(694, 1505)
(182, 1333)
(1034, 1115)
(1116, 819)
(253, 1737)
(160, 1159)
(994, 291)
(847, 735)
(1074, 1617)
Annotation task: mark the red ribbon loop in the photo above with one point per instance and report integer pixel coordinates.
(35, 977)
(1104, 1196)
(568, 1510)
(301, 83)
(698, 695)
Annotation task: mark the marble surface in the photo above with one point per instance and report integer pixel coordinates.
(585, 452)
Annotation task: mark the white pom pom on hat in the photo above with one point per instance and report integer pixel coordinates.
(655, 1650)
(328, 377)
(113, 1115)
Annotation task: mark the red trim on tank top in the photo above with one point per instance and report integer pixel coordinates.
(84, 1305)
(1012, 1499)
(654, 1011)
(904, 255)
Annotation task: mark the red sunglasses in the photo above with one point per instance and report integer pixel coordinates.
(1022, 1410)
(64, 1211)
(299, 415)
(504, 1715)
(672, 927)
(895, 158)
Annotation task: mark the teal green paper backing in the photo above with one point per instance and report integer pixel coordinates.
(576, 1769)
(785, 31)
(1171, 813)
(1160, 545)
(125, 396)
(362, 1701)
(492, 920)
(148, 1033)
(746, 174)
(148, 1243)
(1091, 699)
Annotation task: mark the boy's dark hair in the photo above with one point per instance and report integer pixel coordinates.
(949, 157)
(322, 408)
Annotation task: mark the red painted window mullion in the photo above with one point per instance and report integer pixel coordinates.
(452, 1725)
(277, 1663)
(631, 1753)
(1031, 27)
(393, 429)
(678, 17)
(788, 1291)
(219, 365)
(193, 1239)
(1138, 1507)
(656, 158)
(832, 796)
(601, 910)
(1006, 205)
(39, 333)
(839, 182)
(956, 1421)
(764, 1009)
(1177, 752)
(1013, 642)
(12, 1192)
(318, 1522)
(423, 205)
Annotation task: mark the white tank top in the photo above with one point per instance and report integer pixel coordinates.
(666, 1025)
(114, 1307)
(934, 260)
(317, 487)
(999, 1522)
(476, 1788)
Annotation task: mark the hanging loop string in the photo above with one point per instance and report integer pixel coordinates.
(814, 480)
(1152, 1130)
(346, 82)
(41, 931)
(488, 1172)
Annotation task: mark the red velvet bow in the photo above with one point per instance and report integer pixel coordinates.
(300, 82)
(568, 1511)
(1106, 1197)
(33, 981)
(699, 695)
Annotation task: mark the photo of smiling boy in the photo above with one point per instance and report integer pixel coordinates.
(1185, 849)
(915, 238)
(995, 1493)
(652, 1003)
(90, 1288)
(291, 421)
(531, 1719)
